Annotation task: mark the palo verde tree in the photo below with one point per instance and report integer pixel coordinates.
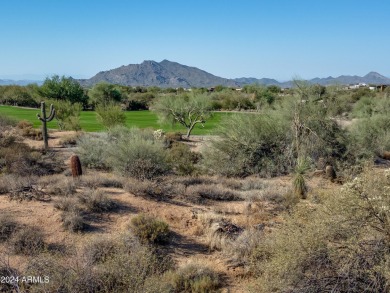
(104, 93)
(187, 110)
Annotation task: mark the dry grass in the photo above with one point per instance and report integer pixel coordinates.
(28, 241)
(73, 220)
(100, 249)
(97, 180)
(8, 226)
(194, 277)
(96, 201)
(58, 185)
(70, 140)
(212, 191)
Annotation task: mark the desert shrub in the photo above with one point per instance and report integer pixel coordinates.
(250, 144)
(130, 152)
(102, 180)
(97, 201)
(362, 93)
(73, 220)
(253, 183)
(212, 191)
(172, 137)
(4, 184)
(158, 190)
(100, 249)
(67, 114)
(27, 130)
(371, 136)
(7, 227)
(16, 157)
(194, 278)
(194, 180)
(136, 153)
(92, 150)
(110, 115)
(58, 185)
(338, 244)
(14, 183)
(28, 241)
(70, 139)
(182, 159)
(221, 234)
(239, 251)
(141, 261)
(364, 107)
(7, 271)
(66, 204)
(6, 121)
(54, 273)
(149, 229)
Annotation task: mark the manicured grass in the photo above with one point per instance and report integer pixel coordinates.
(141, 119)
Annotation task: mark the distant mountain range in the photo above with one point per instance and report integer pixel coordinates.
(19, 82)
(172, 74)
(161, 74)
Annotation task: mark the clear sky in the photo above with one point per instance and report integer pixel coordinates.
(242, 38)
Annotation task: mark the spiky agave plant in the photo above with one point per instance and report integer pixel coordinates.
(299, 182)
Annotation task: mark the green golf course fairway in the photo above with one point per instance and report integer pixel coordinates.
(88, 121)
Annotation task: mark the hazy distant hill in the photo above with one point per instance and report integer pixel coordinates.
(163, 74)
(252, 80)
(370, 78)
(19, 82)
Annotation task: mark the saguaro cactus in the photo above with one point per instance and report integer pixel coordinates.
(44, 121)
(75, 166)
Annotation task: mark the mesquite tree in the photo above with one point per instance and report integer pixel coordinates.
(44, 119)
(188, 110)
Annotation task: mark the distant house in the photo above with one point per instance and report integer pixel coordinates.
(381, 87)
(356, 86)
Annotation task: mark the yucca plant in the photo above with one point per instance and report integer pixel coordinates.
(299, 183)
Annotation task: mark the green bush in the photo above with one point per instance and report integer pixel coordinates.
(110, 115)
(67, 114)
(250, 144)
(149, 229)
(92, 149)
(130, 152)
(135, 153)
(370, 136)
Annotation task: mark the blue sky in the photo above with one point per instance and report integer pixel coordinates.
(277, 39)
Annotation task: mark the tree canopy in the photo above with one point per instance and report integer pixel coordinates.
(104, 93)
(64, 89)
(187, 110)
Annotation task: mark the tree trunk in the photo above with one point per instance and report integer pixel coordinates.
(189, 130)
